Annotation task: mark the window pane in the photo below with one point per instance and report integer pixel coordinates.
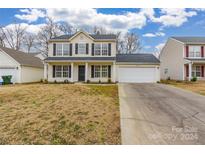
(104, 49)
(58, 71)
(194, 51)
(65, 71)
(66, 49)
(96, 71)
(81, 48)
(97, 49)
(104, 71)
(59, 49)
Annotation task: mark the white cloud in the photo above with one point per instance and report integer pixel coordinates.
(153, 34)
(29, 27)
(90, 17)
(87, 18)
(31, 15)
(173, 17)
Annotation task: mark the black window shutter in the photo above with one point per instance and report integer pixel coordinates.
(71, 49)
(92, 71)
(54, 70)
(92, 49)
(109, 71)
(76, 48)
(69, 70)
(109, 49)
(87, 48)
(54, 49)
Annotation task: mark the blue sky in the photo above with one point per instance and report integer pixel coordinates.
(153, 26)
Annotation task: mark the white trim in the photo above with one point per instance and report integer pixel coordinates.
(79, 32)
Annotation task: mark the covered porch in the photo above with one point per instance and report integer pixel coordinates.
(194, 69)
(81, 71)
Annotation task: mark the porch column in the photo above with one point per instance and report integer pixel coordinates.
(114, 72)
(190, 71)
(45, 74)
(72, 72)
(86, 72)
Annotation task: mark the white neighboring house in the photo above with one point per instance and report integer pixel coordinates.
(23, 67)
(83, 57)
(182, 58)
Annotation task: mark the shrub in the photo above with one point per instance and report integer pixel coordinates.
(66, 81)
(45, 81)
(109, 80)
(88, 81)
(55, 81)
(7, 79)
(99, 81)
(194, 79)
(169, 78)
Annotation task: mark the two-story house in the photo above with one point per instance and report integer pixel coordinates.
(182, 58)
(83, 57)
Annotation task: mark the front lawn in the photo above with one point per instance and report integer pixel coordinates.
(59, 114)
(197, 87)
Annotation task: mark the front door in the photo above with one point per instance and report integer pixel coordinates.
(81, 73)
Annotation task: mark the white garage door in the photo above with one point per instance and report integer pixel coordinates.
(137, 74)
(9, 71)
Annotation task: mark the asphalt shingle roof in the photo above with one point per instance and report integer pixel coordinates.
(80, 58)
(23, 58)
(137, 58)
(190, 40)
(94, 36)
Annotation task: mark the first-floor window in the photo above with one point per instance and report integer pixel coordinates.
(58, 71)
(97, 71)
(196, 71)
(62, 71)
(65, 71)
(101, 71)
(104, 71)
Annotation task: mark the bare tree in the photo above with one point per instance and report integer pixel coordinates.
(99, 30)
(131, 43)
(65, 28)
(119, 42)
(13, 35)
(29, 41)
(2, 38)
(47, 32)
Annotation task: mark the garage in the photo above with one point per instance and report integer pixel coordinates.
(137, 68)
(10, 71)
(137, 74)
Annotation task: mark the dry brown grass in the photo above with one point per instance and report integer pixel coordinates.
(197, 87)
(59, 114)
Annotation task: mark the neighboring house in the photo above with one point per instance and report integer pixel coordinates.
(182, 58)
(23, 67)
(84, 57)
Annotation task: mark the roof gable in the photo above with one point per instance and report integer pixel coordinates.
(23, 58)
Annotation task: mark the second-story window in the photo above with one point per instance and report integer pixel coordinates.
(97, 49)
(62, 49)
(105, 49)
(82, 48)
(194, 51)
(59, 49)
(101, 49)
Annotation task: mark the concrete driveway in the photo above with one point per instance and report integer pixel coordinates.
(161, 114)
